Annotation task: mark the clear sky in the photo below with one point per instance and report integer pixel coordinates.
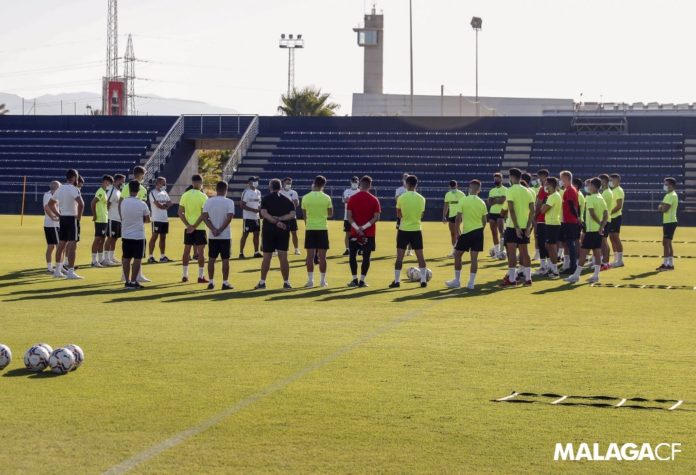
(225, 52)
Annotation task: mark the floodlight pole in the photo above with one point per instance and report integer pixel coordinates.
(410, 26)
(291, 42)
(476, 24)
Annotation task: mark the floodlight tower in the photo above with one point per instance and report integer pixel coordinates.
(476, 24)
(291, 43)
(129, 75)
(112, 40)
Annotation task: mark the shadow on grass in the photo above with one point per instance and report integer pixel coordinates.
(19, 372)
(93, 290)
(641, 276)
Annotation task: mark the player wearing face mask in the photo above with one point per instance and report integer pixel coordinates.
(400, 191)
(292, 195)
(251, 202)
(450, 210)
(347, 193)
(496, 200)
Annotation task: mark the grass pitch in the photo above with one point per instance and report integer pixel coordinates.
(338, 379)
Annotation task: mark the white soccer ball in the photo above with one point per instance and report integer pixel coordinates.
(61, 361)
(413, 274)
(5, 356)
(492, 251)
(48, 347)
(36, 358)
(503, 255)
(78, 354)
(428, 274)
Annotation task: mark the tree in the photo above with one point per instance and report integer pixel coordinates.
(308, 101)
(3, 110)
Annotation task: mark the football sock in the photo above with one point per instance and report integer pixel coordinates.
(355, 277)
(310, 276)
(323, 277)
(457, 275)
(472, 278)
(201, 272)
(211, 281)
(527, 273)
(362, 277)
(512, 274)
(424, 274)
(397, 275)
(185, 270)
(596, 271)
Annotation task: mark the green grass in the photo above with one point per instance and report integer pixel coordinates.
(389, 380)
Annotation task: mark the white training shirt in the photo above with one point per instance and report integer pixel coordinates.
(113, 196)
(347, 193)
(133, 211)
(162, 197)
(400, 191)
(291, 195)
(252, 198)
(218, 207)
(48, 222)
(65, 196)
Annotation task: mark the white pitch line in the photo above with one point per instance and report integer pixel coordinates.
(560, 400)
(507, 398)
(621, 402)
(183, 436)
(679, 403)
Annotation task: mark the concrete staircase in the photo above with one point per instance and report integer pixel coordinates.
(518, 151)
(254, 163)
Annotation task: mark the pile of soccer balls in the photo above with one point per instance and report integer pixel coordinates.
(414, 274)
(42, 356)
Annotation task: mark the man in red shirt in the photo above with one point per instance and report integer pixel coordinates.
(363, 213)
(570, 227)
(540, 224)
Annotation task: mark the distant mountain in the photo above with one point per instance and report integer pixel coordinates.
(77, 102)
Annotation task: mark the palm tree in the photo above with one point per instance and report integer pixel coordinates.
(308, 101)
(3, 110)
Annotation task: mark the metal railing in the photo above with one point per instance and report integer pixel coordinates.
(215, 124)
(238, 153)
(164, 149)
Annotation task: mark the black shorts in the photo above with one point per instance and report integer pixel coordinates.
(452, 219)
(615, 225)
(275, 239)
(316, 239)
(221, 248)
(291, 224)
(592, 240)
(511, 237)
(369, 245)
(100, 229)
(52, 236)
(196, 238)
(668, 230)
(133, 248)
(69, 229)
(553, 233)
(252, 226)
(409, 238)
(113, 229)
(471, 241)
(540, 233)
(570, 232)
(347, 226)
(494, 216)
(160, 227)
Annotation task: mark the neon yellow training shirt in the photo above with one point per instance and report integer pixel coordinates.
(101, 209)
(521, 198)
(412, 206)
(581, 204)
(596, 202)
(496, 192)
(193, 201)
(316, 205)
(553, 216)
(452, 198)
(617, 194)
(671, 199)
(473, 211)
(609, 200)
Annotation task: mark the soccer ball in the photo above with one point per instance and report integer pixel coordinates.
(78, 354)
(48, 347)
(61, 361)
(503, 255)
(36, 358)
(492, 251)
(414, 274)
(5, 356)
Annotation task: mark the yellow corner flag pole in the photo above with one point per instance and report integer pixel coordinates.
(24, 199)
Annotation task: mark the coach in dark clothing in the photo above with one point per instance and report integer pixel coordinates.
(276, 210)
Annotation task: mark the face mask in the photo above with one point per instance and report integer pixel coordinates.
(547, 189)
(353, 186)
(535, 182)
(453, 189)
(497, 182)
(587, 189)
(665, 187)
(509, 182)
(611, 184)
(255, 184)
(288, 187)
